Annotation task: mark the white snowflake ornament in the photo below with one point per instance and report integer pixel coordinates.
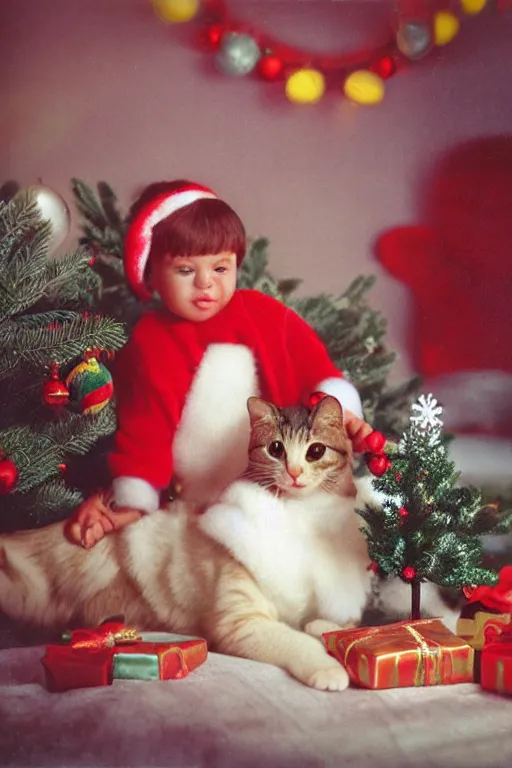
(427, 413)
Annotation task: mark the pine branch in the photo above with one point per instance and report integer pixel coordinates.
(37, 455)
(104, 227)
(109, 204)
(51, 502)
(70, 277)
(35, 347)
(254, 266)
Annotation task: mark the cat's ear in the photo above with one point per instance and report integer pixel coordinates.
(327, 413)
(260, 410)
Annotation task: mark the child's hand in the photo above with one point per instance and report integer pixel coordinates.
(358, 430)
(95, 518)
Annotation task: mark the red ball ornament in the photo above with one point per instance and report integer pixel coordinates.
(55, 393)
(373, 567)
(403, 512)
(8, 475)
(398, 476)
(213, 35)
(270, 68)
(409, 573)
(375, 441)
(377, 464)
(385, 67)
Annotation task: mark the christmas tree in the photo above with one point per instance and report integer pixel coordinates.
(352, 331)
(54, 389)
(427, 528)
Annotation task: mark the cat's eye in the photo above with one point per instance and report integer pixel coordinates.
(276, 449)
(315, 452)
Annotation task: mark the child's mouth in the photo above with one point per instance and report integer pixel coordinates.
(203, 302)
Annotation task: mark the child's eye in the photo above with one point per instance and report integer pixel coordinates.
(185, 271)
(220, 270)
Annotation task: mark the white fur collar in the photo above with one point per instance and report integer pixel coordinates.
(211, 444)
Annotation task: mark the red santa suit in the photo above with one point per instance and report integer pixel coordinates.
(182, 389)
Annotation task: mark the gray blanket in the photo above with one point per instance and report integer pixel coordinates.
(233, 712)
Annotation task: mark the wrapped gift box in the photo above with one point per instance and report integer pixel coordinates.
(97, 657)
(407, 653)
(485, 604)
(496, 659)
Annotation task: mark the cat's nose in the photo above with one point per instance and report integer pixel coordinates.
(294, 472)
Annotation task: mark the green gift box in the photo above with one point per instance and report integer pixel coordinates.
(170, 657)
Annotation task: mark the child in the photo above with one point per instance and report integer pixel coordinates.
(209, 344)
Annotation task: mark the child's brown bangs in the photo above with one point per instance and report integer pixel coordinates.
(202, 228)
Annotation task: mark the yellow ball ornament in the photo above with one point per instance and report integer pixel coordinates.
(306, 86)
(364, 87)
(472, 7)
(176, 10)
(446, 26)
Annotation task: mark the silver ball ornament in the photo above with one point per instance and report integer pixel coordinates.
(238, 54)
(53, 208)
(414, 39)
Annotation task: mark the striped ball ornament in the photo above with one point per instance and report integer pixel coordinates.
(90, 386)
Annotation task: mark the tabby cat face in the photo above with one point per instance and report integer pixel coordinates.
(296, 451)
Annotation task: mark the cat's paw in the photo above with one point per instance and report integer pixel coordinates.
(332, 679)
(318, 627)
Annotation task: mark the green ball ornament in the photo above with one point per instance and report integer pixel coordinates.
(90, 386)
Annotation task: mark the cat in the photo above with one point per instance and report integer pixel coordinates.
(279, 559)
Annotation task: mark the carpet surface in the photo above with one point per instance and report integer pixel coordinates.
(234, 712)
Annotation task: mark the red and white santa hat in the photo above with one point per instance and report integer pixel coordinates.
(138, 238)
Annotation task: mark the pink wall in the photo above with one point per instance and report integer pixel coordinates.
(100, 89)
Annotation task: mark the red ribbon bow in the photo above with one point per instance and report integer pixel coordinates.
(498, 597)
(105, 636)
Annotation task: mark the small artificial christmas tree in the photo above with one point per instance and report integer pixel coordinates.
(53, 385)
(427, 528)
(352, 331)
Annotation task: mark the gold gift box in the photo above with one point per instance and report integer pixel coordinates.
(472, 621)
(404, 654)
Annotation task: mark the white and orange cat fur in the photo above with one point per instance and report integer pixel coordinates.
(279, 559)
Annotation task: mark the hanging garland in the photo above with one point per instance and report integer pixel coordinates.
(241, 49)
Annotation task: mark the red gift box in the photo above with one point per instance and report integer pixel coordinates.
(407, 653)
(496, 658)
(113, 651)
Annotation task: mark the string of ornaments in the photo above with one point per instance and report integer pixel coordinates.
(240, 50)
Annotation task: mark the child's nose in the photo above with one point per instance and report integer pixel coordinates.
(203, 280)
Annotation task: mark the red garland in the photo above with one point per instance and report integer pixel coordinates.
(384, 60)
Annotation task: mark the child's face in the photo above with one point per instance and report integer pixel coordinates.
(195, 287)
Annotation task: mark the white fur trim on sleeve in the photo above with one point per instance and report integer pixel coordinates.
(343, 391)
(136, 493)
